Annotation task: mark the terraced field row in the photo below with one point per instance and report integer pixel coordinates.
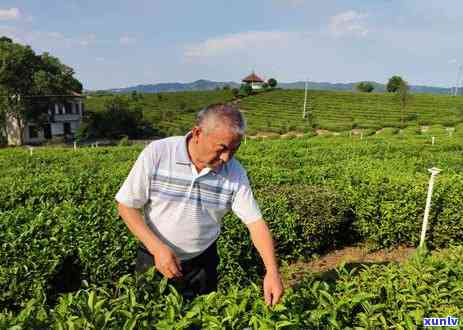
(341, 110)
(280, 111)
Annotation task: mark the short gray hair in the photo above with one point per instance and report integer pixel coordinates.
(220, 112)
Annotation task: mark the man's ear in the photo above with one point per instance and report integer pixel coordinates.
(195, 133)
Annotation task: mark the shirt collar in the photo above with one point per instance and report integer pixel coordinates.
(181, 154)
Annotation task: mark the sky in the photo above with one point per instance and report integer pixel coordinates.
(120, 43)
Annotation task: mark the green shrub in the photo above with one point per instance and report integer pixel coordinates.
(446, 227)
(124, 142)
(390, 131)
(251, 132)
(304, 219)
(309, 131)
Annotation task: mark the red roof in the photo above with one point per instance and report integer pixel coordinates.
(252, 78)
(76, 94)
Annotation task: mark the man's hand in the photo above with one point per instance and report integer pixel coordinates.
(165, 259)
(167, 262)
(262, 239)
(273, 288)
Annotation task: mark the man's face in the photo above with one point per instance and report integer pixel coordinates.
(217, 146)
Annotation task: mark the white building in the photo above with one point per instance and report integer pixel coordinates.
(62, 121)
(255, 81)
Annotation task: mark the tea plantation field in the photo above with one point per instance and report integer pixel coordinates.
(166, 110)
(67, 260)
(280, 111)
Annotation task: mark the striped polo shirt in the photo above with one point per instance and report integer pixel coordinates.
(185, 208)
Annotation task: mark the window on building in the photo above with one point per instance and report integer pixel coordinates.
(33, 132)
(68, 108)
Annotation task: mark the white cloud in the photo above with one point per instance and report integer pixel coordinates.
(55, 35)
(87, 40)
(250, 40)
(348, 23)
(127, 40)
(102, 60)
(10, 14)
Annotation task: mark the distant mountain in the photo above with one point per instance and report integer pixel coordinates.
(352, 86)
(204, 85)
(198, 85)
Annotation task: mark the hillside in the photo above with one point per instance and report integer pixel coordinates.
(280, 111)
(167, 110)
(381, 88)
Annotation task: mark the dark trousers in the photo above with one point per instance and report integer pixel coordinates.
(199, 273)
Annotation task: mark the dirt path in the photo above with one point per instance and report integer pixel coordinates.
(329, 262)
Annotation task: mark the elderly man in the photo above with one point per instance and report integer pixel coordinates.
(185, 186)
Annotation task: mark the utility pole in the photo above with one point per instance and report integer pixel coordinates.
(459, 79)
(305, 100)
(458, 82)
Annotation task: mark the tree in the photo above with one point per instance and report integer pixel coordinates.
(116, 120)
(246, 89)
(24, 74)
(54, 78)
(393, 84)
(6, 40)
(365, 86)
(17, 67)
(272, 82)
(134, 96)
(404, 97)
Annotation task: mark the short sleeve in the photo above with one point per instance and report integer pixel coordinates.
(244, 205)
(134, 192)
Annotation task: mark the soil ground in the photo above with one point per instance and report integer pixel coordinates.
(292, 134)
(320, 131)
(424, 128)
(326, 264)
